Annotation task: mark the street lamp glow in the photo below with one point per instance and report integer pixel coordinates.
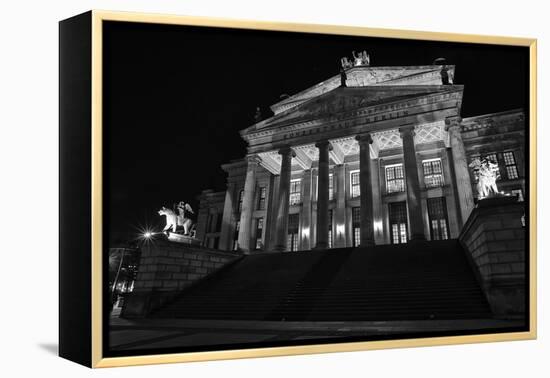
(148, 234)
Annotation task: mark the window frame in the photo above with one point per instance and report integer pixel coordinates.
(330, 186)
(441, 181)
(293, 237)
(259, 232)
(402, 236)
(352, 185)
(240, 199)
(441, 229)
(513, 166)
(395, 179)
(261, 199)
(356, 226)
(295, 193)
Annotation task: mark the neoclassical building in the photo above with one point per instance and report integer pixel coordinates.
(379, 155)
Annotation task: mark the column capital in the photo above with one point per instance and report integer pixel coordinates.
(324, 143)
(253, 159)
(286, 150)
(364, 138)
(406, 130)
(452, 122)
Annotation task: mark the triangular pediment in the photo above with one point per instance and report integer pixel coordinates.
(345, 99)
(362, 76)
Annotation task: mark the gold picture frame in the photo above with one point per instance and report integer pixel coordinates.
(97, 359)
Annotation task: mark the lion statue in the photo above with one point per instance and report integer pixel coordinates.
(171, 219)
(184, 219)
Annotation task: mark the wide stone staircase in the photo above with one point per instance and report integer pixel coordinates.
(422, 280)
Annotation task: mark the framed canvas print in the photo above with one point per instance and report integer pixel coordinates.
(235, 189)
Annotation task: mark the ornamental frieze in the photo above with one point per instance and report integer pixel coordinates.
(350, 119)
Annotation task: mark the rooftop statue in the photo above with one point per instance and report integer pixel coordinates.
(360, 59)
(184, 218)
(446, 75)
(343, 77)
(486, 173)
(258, 115)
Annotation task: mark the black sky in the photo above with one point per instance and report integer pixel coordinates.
(175, 98)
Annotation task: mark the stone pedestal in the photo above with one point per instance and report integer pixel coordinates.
(165, 269)
(494, 238)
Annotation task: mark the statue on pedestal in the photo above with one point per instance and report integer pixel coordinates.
(346, 63)
(486, 172)
(184, 219)
(343, 77)
(360, 59)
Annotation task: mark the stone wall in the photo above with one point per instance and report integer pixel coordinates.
(166, 268)
(494, 238)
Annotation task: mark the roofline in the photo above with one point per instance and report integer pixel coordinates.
(428, 67)
(505, 112)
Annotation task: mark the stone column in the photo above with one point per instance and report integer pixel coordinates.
(339, 214)
(227, 224)
(413, 184)
(365, 189)
(281, 223)
(271, 228)
(378, 225)
(461, 171)
(248, 204)
(305, 232)
(322, 195)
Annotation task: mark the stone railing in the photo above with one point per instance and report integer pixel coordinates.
(165, 269)
(494, 238)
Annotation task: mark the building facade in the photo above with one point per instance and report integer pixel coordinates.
(378, 155)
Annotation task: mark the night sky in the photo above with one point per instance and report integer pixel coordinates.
(175, 98)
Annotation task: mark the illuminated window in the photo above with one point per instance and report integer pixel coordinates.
(395, 181)
(519, 193)
(354, 181)
(330, 228)
(356, 225)
(398, 222)
(292, 235)
(241, 195)
(510, 164)
(259, 232)
(491, 157)
(437, 214)
(433, 173)
(295, 191)
(330, 187)
(261, 198)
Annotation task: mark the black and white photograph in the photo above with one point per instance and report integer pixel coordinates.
(267, 188)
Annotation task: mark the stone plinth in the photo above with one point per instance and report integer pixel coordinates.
(494, 237)
(166, 268)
